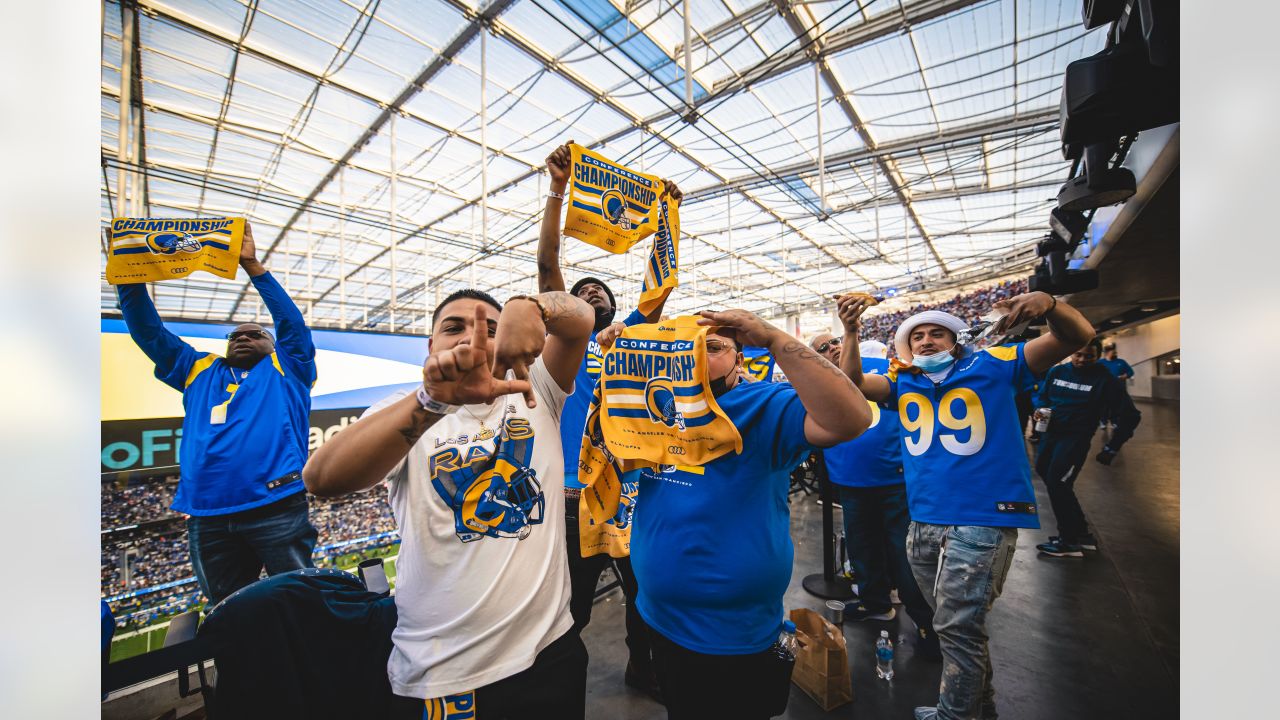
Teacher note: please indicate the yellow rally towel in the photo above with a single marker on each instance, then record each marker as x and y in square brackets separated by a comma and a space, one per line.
[652, 406]
[664, 259]
[154, 249]
[610, 206]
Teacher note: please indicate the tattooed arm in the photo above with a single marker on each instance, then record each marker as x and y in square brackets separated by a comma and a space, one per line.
[559, 333]
[837, 411]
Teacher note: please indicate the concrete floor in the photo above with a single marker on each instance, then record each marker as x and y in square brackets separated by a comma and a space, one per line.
[1095, 638]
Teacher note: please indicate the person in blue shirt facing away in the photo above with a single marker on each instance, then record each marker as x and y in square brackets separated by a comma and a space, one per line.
[1077, 394]
[968, 479]
[1121, 370]
[584, 573]
[867, 473]
[244, 435]
[711, 545]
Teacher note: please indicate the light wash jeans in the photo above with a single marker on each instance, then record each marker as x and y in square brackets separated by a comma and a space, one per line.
[961, 571]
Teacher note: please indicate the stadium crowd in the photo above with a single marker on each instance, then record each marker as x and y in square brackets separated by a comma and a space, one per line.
[969, 307]
[163, 556]
[137, 503]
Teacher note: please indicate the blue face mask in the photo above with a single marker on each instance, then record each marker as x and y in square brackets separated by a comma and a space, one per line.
[935, 362]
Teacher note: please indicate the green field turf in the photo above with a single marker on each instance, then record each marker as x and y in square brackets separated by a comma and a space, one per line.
[126, 647]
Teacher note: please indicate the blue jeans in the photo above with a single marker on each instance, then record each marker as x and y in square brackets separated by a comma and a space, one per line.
[961, 569]
[875, 532]
[230, 551]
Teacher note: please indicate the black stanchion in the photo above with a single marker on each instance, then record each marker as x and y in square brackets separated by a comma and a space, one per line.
[827, 584]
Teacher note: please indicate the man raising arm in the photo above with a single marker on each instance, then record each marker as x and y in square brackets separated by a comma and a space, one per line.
[584, 573]
[245, 427]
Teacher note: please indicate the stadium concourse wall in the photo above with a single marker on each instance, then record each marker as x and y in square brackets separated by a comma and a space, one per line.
[142, 417]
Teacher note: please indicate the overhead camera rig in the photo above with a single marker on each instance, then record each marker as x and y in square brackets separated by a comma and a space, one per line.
[1107, 99]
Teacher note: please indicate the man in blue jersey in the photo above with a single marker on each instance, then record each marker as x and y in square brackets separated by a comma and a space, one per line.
[711, 545]
[244, 435]
[867, 472]
[1121, 370]
[584, 573]
[1078, 394]
[968, 479]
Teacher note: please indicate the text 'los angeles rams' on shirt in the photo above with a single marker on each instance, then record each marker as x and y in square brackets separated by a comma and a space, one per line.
[874, 458]
[962, 447]
[711, 545]
[482, 585]
[574, 417]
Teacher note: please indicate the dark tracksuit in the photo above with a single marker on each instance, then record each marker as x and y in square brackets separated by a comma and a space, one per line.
[1079, 399]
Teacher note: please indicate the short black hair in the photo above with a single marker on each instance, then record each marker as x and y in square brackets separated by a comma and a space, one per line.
[1096, 344]
[465, 293]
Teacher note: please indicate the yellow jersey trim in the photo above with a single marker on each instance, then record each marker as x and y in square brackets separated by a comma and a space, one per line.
[200, 366]
[1003, 352]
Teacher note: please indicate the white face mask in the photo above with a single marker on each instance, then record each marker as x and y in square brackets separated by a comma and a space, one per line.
[935, 362]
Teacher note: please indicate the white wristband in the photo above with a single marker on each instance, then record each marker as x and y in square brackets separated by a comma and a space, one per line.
[554, 194]
[434, 406]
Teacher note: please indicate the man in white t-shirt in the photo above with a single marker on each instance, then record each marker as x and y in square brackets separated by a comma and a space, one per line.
[476, 479]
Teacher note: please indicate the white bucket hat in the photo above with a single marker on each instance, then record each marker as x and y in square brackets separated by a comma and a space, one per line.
[901, 339]
[873, 348]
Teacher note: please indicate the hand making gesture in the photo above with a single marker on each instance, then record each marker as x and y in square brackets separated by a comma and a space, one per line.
[463, 374]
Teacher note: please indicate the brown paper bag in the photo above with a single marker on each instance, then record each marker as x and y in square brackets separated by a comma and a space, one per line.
[822, 661]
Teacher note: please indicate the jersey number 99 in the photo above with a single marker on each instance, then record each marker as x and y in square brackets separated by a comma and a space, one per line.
[918, 415]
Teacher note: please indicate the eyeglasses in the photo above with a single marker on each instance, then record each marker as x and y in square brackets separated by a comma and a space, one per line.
[833, 342]
[251, 334]
[715, 347]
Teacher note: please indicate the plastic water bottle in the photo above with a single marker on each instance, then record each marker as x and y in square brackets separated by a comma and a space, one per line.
[884, 656]
[786, 646]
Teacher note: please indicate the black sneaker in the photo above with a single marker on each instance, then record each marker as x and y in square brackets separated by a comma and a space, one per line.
[860, 612]
[1088, 542]
[1057, 548]
[1106, 456]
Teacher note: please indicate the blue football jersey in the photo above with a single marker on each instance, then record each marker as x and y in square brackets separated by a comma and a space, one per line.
[963, 452]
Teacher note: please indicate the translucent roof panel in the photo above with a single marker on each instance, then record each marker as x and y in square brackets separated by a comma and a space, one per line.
[821, 145]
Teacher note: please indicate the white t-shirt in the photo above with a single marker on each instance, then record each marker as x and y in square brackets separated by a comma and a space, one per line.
[482, 581]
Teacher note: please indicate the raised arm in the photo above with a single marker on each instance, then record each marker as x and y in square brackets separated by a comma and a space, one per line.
[366, 452]
[850, 309]
[559, 165]
[555, 325]
[1068, 329]
[293, 335]
[837, 411]
[173, 357]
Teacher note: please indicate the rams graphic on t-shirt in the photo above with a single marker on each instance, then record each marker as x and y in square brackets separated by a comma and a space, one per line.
[493, 493]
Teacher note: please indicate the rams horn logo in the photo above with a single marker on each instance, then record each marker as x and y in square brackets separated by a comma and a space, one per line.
[498, 496]
[168, 243]
[614, 207]
[660, 400]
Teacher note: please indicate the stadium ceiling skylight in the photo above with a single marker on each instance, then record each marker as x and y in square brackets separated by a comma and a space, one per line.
[350, 133]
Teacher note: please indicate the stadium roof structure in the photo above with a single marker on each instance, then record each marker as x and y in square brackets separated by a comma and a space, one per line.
[823, 146]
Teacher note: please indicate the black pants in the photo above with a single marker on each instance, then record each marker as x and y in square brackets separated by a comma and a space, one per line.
[875, 531]
[698, 686]
[584, 575]
[554, 687]
[1058, 461]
